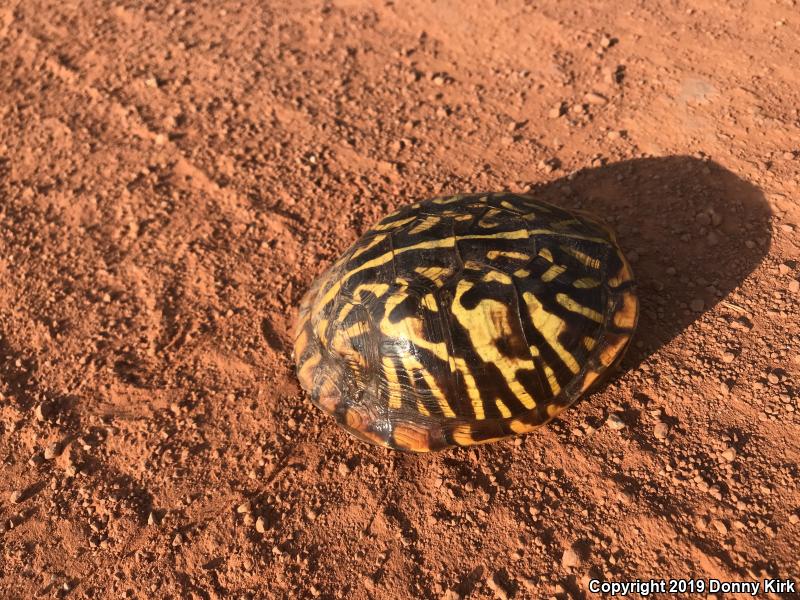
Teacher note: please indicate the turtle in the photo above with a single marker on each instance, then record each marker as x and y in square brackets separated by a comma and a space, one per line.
[465, 319]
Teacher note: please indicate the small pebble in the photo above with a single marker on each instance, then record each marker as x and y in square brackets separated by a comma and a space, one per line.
[43, 411]
[729, 454]
[615, 422]
[260, 528]
[595, 98]
[728, 357]
[558, 110]
[16, 497]
[344, 469]
[720, 526]
[794, 519]
[570, 559]
[244, 507]
[151, 519]
[794, 286]
[52, 451]
[661, 430]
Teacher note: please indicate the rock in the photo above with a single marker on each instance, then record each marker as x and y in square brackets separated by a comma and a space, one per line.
[557, 110]
[570, 559]
[728, 357]
[720, 526]
[244, 507]
[595, 98]
[260, 528]
[794, 519]
[16, 496]
[43, 411]
[729, 454]
[344, 470]
[794, 286]
[661, 430]
[52, 451]
[152, 519]
[615, 422]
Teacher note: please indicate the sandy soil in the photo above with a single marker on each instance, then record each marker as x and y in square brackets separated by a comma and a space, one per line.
[174, 174]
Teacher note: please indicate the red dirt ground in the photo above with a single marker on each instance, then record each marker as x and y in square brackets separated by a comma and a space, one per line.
[174, 174]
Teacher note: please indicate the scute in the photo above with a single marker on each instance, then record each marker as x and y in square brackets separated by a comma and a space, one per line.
[465, 319]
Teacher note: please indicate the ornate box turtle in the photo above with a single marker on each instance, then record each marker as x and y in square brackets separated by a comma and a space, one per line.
[465, 319]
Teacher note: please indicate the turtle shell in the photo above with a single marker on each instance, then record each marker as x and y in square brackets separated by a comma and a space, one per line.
[465, 319]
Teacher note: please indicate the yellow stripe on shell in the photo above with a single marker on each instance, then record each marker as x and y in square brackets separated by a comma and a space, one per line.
[550, 326]
[585, 283]
[518, 426]
[573, 306]
[589, 261]
[488, 322]
[412, 365]
[437, 275]
[393, 224]
[496, 276]
[488, 219]
[501, 406]
[449, 200]
[427, 223]
[565, 224]
[552, 272]
[392, 383]
[508, 206]
[372, 243]
[512, 254]
[462, 435]
[429, 302]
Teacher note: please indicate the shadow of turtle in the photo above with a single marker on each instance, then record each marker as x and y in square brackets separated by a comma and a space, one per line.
[692, 230]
